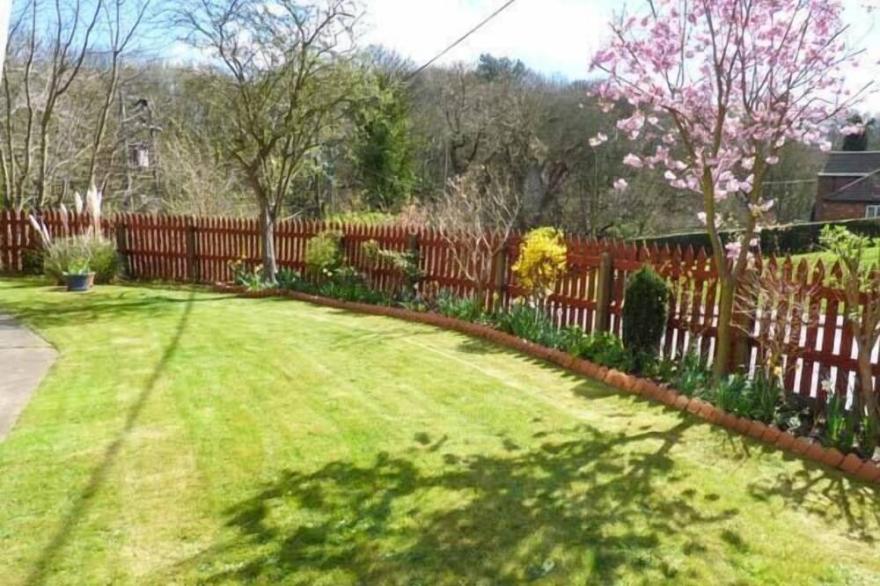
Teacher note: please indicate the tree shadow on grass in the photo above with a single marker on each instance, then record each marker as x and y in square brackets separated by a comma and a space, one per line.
[828, 494]
[83, 501]
[592, 504]
[91, 308]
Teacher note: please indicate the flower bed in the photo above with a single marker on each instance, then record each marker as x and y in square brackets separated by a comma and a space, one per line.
[804, 447]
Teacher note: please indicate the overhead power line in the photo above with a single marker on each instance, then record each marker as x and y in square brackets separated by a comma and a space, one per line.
[461, 39]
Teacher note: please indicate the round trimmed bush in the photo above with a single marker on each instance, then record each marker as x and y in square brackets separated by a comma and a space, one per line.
[644, 312]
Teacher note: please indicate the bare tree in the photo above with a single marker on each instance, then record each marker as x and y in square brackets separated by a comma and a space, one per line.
[46, 65]
[286, 84]
[121, 21]
[774, 309]
[5, 9]
[475, 217]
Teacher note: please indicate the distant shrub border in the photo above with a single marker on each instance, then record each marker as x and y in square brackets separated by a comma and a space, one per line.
[803, 447]
[779, 240]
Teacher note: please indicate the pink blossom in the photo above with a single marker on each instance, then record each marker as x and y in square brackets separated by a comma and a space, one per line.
[633, 161]
[718, 89]
[733, 249]
[620, 185]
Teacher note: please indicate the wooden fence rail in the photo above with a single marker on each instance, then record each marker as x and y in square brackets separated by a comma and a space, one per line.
[200, 249]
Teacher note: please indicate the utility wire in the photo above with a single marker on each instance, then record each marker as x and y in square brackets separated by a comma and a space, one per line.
[461, 39]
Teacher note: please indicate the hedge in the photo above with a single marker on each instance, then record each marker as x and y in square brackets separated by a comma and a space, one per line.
[780, 240]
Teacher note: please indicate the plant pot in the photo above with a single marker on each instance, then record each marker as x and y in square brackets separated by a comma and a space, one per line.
[79, 282]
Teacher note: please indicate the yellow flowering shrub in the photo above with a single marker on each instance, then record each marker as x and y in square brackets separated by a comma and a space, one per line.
[542, 260]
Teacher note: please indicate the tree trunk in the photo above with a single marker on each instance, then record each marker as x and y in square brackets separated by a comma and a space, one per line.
[724, 337]
[267, 233]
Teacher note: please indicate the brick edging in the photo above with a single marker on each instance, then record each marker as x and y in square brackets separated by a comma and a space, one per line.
[805, 448]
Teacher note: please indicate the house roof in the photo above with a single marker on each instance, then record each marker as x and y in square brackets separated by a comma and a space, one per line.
[861, 189]
[851, 163]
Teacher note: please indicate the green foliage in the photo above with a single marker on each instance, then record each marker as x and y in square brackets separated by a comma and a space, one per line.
[839, 428]
[289, 279]
[360, 218]
[32, 261]
[348, 284]
[542, 261]
[644, 312]
[854, 252]
[324, 254]
[869, 435]
[529, 323]
[494, 69]
[606, 349]
[245, 276]
[758, 398]
[728, 393]
[406, 263]
[763, 397]
[786, 239]
[692, 377]
[464, 308]
[81, 254]
[383, 153]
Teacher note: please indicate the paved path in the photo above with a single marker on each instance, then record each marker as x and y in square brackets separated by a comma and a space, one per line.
[24, 360]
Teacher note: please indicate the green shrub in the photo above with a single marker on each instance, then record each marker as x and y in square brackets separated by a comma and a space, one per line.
[289, 279]
[729, 392]
[529, 323]
[644, 313]
[784, 239]
[606, 349]
[692, 378]
[347, 284]
[74, 253]
[324, 254]
[406, 263]
[763, 398]
[542, 261]
[464, 308]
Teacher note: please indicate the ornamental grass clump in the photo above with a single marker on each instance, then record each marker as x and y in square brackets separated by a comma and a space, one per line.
[81, 253]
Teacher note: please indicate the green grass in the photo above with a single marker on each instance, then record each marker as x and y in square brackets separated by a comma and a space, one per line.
[828, 258]
[188, 437]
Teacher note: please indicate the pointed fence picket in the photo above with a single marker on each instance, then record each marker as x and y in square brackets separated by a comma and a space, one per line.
[819, 343]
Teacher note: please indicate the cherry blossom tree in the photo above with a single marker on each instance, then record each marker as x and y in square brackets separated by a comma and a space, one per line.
[720, 86]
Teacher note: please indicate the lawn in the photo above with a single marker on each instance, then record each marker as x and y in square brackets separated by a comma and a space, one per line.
[189, 437]
[828, 259]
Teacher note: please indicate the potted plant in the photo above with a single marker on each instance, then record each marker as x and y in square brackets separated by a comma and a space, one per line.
[78, 277]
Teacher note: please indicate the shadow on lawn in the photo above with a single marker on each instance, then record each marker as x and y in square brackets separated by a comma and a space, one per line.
[827, 494]
[96, 306]
[83, 500]
[598, 501]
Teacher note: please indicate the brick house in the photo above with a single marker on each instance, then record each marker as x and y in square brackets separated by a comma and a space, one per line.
[849, 186]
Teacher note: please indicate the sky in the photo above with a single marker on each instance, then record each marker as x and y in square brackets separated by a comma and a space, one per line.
[555, 37]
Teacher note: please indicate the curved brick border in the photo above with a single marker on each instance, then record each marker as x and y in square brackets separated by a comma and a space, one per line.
[805, 448]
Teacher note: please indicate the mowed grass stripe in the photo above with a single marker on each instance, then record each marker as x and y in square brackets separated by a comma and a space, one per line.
[269, 441]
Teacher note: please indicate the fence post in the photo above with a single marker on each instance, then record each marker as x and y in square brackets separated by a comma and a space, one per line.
[603, 292]
[499, 277]
[192, 267]
[122, 250]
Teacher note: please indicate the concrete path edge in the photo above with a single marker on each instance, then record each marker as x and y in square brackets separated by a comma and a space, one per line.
[25, 358]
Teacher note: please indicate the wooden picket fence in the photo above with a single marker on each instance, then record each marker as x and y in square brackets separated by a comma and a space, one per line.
[819, 346]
